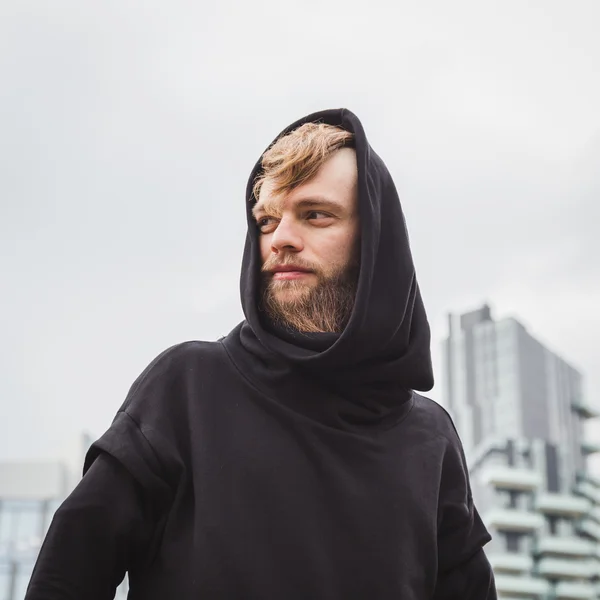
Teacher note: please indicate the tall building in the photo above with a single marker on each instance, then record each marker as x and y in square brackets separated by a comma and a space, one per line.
[30, 494]
[520, 412]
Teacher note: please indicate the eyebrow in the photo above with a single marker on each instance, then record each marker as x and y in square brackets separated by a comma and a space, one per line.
[314, 202]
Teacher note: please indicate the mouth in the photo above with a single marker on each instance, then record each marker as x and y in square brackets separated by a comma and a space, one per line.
[288, 272]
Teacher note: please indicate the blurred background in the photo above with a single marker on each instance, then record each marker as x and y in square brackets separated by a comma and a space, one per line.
[127, 132]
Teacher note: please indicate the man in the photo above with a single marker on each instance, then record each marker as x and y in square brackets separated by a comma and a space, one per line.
[292, 459]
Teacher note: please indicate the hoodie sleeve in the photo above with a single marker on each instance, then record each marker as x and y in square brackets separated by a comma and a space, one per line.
[464, 572]
[111, 523]
[96, 535]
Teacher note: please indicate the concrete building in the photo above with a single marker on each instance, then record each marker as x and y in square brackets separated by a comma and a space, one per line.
[30, 493]
[521, 414]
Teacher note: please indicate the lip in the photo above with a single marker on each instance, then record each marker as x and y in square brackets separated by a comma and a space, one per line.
[289, 269]
[289, 272]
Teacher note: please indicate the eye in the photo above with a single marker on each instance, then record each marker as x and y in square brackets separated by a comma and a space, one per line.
[317, 215]
[266, 224]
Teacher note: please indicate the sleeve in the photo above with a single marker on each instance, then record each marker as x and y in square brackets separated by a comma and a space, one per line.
[96, 535]
[111, 523]
[147, 434]
[464, 572]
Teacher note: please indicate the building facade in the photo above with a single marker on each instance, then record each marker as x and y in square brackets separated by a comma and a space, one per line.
[30, 494]
[520, 412]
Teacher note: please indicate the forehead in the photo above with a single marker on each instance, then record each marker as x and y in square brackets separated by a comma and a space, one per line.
[336, 182]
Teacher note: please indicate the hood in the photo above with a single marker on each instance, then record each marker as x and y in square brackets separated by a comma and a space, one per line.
[386, 343]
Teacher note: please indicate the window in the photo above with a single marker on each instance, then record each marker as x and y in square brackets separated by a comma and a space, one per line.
[5, 581]
[6, 524]
[513, 541]
[21, 525]
[28, 527]
[22, 577]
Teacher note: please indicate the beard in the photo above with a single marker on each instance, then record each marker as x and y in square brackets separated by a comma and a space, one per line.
[324, 307]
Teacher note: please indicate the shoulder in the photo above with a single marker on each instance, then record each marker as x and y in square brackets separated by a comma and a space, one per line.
[433, 419]
[186, 353]
[177, 365]
[435, 423]
[181, 357]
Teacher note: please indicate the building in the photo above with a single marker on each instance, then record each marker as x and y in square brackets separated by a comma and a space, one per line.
[520, 412]
[30, 493]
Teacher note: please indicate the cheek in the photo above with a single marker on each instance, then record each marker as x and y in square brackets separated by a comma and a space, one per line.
[348, 242]
[265, 247]
[339, 251]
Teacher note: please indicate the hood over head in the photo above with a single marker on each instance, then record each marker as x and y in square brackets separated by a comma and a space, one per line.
[384, 349]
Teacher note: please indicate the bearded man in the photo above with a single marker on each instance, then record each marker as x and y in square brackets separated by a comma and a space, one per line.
[292, 459]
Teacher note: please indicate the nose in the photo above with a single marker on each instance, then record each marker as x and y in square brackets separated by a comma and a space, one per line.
[286, 238]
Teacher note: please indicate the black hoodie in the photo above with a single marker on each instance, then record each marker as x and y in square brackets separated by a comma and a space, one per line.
[271, 465]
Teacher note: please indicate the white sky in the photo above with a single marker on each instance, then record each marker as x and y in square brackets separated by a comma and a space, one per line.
[128, 129]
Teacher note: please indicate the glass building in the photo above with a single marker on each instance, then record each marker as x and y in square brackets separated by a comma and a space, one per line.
[520, 412]
[30, 493]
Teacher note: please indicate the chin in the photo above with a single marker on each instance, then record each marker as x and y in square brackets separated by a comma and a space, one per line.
[290, 291]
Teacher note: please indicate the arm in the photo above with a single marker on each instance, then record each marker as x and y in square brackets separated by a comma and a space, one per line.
[94, 538]
[469, 580]
[464, 572]
[111, 522]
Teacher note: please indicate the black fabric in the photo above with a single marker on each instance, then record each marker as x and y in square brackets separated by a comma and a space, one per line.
[98, 533]
[385, 348]
[271, 465]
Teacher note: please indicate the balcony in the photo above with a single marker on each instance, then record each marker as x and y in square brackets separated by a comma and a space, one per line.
[562, 505]
[585, 476]
[589, 448]
[565, 546]
[584, 410]
[511, 563]
[586, 489]
[590, 528]
[509, 478]
[510, 519]
[595, 514]
[555, 568]
[526, 586]
[567, 590]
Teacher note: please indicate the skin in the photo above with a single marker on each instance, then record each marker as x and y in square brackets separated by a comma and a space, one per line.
[314, 226]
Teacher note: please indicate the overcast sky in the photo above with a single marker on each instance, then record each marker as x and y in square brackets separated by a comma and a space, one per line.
[128, 129]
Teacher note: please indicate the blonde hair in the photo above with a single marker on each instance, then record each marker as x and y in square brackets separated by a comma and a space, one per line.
[297, 156]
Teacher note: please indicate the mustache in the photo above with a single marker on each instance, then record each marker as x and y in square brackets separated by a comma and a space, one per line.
[273, 262]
